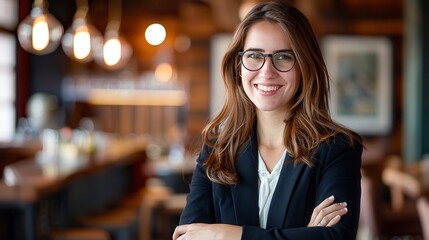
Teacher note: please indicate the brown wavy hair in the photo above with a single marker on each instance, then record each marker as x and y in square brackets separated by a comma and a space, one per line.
[309, 122]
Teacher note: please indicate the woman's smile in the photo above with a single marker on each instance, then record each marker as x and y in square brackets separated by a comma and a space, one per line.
[267, 89]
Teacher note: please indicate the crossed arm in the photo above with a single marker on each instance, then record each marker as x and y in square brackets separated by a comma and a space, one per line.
[341, 166]
[326, 214]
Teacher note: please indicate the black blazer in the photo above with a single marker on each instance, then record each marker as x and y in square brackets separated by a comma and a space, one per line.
[299, 190]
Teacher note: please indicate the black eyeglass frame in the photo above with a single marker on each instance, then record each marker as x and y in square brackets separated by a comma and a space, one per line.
[265, 55]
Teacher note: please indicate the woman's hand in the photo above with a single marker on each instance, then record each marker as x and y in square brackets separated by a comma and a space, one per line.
[200, 231]
[327, 213]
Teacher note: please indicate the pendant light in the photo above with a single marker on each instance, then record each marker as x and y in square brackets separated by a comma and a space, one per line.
[40, 32]
[81, 38]
[115, 52]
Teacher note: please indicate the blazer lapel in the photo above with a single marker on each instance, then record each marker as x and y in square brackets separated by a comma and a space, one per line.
[288, 180]
[245, 193]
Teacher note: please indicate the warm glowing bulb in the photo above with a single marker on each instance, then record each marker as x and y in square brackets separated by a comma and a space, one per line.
[112, 51]
[40, 31]
[164, 72]
[82, 43]
[155, 34]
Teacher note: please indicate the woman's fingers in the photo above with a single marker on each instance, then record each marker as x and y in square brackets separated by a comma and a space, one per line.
[335, 215]
[325, 203]
[328, 213]
[334, 221]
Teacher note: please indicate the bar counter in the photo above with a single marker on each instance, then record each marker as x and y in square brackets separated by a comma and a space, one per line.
[34, 199]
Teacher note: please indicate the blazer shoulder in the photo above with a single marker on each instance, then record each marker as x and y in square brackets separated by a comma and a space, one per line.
[340, 155]
[340, 143]
[342, 140]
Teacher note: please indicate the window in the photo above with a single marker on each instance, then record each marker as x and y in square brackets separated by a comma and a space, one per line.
[7, 86]
[8, 13]
[8, 21]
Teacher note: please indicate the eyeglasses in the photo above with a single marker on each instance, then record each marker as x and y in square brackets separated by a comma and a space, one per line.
[253, 60]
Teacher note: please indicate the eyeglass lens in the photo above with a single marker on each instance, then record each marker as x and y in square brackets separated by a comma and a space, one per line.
[253, 61]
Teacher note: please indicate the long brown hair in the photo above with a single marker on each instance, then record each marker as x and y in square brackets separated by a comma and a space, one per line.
[309, 122]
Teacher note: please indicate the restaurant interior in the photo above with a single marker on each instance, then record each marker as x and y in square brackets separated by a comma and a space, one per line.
[102, 104]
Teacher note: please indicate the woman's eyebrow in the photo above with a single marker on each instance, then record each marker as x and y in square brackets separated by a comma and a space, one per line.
[262, 50]
[255, 49]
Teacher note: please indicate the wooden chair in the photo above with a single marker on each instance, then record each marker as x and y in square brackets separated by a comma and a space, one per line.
[423, 209]
[401, 184]
[121, 223]
[152, 197]
[369, 219]
[169, 213]
[379, 216]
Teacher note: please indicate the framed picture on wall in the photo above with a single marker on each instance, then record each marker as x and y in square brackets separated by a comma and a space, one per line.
[360, 69]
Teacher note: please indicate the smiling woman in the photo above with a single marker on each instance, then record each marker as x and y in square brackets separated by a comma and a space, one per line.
[274, 165]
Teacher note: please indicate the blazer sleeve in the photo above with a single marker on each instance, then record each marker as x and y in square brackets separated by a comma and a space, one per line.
[199, 203]
[338, 173]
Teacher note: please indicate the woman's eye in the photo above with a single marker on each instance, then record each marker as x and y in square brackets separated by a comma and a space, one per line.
[254, 56]
[283, 57]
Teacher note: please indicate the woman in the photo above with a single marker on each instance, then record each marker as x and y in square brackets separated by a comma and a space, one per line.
[274, 164]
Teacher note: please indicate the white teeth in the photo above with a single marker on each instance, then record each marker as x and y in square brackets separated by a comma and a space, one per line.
[268, 88]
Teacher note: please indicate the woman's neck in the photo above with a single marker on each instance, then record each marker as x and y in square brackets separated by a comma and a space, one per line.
[270, 128]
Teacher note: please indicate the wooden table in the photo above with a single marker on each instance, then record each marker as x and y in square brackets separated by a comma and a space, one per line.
[46, 200]
[11, 152]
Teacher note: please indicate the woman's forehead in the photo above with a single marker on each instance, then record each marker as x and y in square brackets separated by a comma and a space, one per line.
[266, 36]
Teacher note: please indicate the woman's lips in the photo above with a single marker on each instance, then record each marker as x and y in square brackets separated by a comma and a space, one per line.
[267, 88]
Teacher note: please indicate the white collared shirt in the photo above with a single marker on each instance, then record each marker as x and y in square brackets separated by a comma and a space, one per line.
[267, 185]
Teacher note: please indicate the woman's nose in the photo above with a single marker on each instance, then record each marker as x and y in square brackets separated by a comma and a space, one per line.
[268, 70]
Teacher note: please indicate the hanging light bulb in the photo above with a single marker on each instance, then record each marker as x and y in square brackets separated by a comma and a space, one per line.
[81, 42]
[112, 51]
[81, 38]
[116, 51]
[40, 32]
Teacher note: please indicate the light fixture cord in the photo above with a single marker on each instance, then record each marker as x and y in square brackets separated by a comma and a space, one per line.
[115, 10]
[82, 9]
[40, 4]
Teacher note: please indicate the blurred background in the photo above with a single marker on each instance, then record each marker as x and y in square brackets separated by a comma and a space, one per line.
[102, 103]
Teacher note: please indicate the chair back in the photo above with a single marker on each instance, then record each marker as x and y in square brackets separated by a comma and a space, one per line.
[423, 209]
[368, 216]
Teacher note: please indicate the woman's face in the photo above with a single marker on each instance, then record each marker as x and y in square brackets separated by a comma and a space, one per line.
[268, 88]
